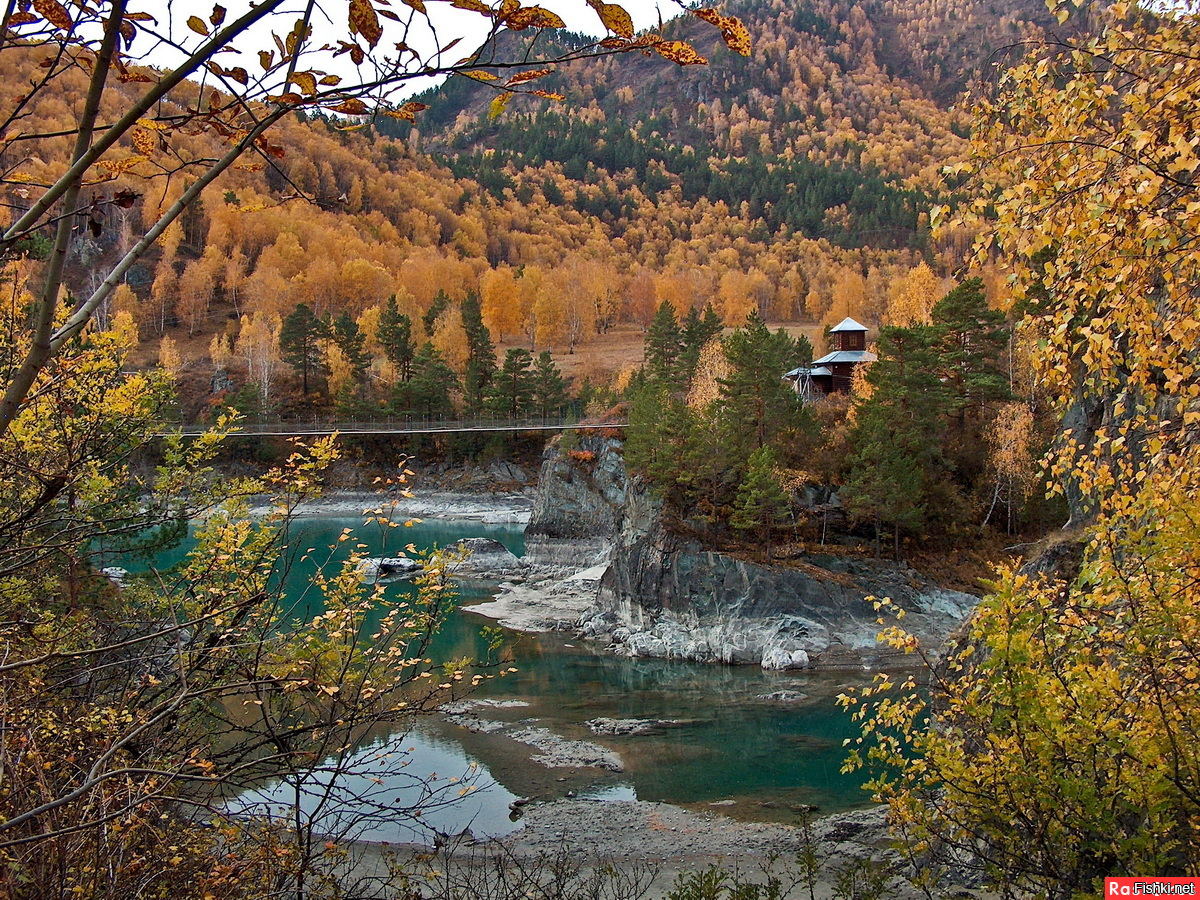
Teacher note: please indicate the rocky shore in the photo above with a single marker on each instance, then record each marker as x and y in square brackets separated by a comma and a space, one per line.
[601, 562]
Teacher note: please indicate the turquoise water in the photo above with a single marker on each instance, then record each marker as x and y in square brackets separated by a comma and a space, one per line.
[758, 759]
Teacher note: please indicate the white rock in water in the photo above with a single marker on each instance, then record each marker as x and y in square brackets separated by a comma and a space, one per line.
[779, 658]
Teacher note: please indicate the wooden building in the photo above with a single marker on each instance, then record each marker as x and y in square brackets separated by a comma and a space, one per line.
[834, 372]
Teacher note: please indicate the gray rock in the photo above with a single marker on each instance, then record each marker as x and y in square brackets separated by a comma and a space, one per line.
[608, 726]
[387, 568]
[486, 557]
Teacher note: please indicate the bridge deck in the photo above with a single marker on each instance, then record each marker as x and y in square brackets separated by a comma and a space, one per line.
[396, 427]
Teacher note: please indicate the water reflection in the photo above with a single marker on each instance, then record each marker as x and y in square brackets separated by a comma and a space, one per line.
[404, 788]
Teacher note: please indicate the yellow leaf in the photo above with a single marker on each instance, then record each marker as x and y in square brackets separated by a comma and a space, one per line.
[351, 106]
[306, 81]
[364, 21]
[145, 141]
[54, 13]
[522, 77]
[499, 105]
[680, 52]
[197, 25]
[614, 17]
[533, 17]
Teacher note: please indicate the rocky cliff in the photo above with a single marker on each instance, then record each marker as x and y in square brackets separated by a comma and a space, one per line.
[665, 596]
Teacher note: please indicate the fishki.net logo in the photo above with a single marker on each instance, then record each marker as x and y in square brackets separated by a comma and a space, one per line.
[1150, 887]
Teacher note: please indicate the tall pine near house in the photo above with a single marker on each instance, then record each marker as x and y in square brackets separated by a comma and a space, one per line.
[761, 504]
[971, 340]
[758, 406]
[897, 474]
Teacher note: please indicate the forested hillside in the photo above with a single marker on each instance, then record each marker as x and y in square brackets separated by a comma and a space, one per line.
[793, 182]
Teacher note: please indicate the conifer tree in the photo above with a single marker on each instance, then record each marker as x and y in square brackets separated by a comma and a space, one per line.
[300, 342]
[761, 502]
[897, 473]
[697, 331]
[757, 405]
[550, 395]
[395, 336]
[441, 300]
[512, 389]
[428, 394]
[481, 354]
[971, 339]
[353, 343]
[663, 347]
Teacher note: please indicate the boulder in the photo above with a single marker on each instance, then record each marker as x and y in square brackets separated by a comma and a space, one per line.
[387, 568]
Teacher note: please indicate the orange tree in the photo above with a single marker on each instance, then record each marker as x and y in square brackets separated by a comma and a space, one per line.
[1059, 744]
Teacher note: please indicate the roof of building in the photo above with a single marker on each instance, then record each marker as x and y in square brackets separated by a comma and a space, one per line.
[801, 371]
[845, 356]
[847, 324]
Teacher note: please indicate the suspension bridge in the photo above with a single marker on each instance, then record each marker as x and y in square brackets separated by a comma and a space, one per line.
[393, 427]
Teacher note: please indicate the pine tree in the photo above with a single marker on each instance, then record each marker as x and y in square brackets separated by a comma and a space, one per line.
[971, 340]
[441, 300]
[757, 405]
[695, 333]
[353, 343]
[481, 355]
[664, 343]
[550, 395]
[761, 502]
[511, 391]
[300, 343]
[395, 336]
[898, 476]
[428, 394]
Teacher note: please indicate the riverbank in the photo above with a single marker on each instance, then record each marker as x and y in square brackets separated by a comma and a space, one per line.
[511, 508]
[642, 850]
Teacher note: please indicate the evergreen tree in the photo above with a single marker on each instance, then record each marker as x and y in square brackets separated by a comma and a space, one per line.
[550, 395]
[441, 300]
[353, 343]
[395, 336]
[696, 331]
[511, 391]
[659, 444]
[664, 343]
[428, 394]
[898, 476]
[300, 343]
[971, 340]
[481, 355]
[761, 502]
[758, 406]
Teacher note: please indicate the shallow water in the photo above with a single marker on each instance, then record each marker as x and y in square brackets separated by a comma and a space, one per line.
[725, 745]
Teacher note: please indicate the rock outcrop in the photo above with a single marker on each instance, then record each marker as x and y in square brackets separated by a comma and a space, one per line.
[581, 502]
[665, 596]
[486, 558]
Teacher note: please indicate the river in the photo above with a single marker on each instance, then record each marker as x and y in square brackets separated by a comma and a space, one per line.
[723, 745]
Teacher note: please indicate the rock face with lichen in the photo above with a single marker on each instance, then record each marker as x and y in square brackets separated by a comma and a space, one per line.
[666, 596]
